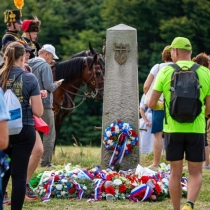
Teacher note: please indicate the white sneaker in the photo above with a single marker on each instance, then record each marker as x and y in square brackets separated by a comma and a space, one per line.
[207, 167]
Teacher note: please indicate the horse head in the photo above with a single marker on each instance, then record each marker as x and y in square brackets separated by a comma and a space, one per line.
[93, 75]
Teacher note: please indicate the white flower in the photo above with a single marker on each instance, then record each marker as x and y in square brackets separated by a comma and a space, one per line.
[117, 130]
[123, 179]
[126, 126]
[42, 191]
[128, 142]
[63, 180]
[63, 193]
[58, 186]
[84, 187]
[110, 142]
[184, 189]
[108, 133]
[103, 194]
[117, 182]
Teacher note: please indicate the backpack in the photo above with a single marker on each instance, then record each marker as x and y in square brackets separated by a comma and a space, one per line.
[185, 105]
[15, 123]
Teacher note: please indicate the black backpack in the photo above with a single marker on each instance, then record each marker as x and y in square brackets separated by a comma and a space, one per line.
[185, 105]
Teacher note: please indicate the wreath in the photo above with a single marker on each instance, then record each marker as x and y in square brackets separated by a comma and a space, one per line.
[119, 139]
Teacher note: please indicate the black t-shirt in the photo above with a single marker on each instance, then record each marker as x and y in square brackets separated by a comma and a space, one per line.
[24, 87]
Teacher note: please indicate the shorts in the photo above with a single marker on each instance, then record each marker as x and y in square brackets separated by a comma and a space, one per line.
[157, 121]
[190, 144]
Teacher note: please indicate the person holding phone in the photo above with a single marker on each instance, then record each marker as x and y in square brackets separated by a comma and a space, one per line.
[41, 69]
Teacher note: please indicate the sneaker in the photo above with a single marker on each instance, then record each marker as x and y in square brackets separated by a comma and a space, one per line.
[187, 207]
[50, 165]
[30, 195]
[207, 167]
[6, 200]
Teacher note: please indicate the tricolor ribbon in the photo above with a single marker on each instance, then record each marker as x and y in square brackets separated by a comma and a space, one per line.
[49, 188]
[139, 189]
[86, 173]
[78, 187]
[121, 154]
[98, 189]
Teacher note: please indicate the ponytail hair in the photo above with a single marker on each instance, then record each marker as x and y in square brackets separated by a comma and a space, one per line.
[12, 53]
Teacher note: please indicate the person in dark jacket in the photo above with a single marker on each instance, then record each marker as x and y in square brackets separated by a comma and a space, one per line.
[31, 29]
[14, 23]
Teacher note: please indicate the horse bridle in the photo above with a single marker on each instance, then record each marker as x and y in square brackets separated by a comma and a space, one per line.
[87, 94]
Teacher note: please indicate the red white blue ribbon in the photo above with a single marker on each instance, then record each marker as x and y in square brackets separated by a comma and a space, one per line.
[138, 190]
[86, 173]
[98, 189]
[78, 187]
[49, 188]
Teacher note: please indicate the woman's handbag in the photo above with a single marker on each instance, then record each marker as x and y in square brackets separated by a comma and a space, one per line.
[41, 126]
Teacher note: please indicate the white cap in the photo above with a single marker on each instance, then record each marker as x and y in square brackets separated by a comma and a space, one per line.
[51, 49]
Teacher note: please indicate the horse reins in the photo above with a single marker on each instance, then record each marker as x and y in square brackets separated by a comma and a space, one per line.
[87, 94]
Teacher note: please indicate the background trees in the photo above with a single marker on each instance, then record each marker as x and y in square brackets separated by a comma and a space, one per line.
[70, 24]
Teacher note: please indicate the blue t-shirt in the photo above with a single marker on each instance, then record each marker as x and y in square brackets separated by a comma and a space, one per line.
[25, 86]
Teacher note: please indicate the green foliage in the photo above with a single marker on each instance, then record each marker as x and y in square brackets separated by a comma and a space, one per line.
[71, 24]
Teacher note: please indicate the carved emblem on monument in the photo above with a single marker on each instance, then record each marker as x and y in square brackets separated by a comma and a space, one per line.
[121, 52]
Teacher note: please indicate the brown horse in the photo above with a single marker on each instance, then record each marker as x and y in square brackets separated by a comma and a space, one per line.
[75, 71]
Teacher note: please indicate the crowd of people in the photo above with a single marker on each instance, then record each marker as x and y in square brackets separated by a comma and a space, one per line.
[26, 70]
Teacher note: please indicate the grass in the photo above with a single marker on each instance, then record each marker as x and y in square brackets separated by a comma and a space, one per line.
[89, 157]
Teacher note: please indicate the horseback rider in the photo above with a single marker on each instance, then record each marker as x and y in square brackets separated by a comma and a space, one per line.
[13, 20]
[31, 29]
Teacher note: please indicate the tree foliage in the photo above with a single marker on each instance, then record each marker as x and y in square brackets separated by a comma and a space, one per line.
[70, 24]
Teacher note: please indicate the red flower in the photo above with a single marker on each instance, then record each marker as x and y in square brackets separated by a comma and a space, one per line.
[134, 134]
[110, 190]
[122, 188]
[111, 138]
[144, 179]
[129, 146]
[157, 188]
[113, 129]
[56, 178]
[72, 190]
[109, 177]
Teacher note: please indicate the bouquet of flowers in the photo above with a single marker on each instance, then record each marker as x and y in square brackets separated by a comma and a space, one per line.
[120, 139]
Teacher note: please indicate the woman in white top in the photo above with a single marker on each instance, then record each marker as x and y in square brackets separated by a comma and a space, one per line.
[157, 115]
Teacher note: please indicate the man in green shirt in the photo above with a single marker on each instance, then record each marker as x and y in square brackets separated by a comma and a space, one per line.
[183, 138]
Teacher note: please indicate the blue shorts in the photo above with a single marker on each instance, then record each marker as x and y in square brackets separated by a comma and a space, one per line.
[157, 121]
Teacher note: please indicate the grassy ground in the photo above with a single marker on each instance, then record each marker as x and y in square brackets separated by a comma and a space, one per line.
[88, 157]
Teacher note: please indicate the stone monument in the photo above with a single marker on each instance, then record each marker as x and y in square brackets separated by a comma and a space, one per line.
[121, 91]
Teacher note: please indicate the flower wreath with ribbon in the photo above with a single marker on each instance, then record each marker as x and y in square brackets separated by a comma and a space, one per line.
[120, 139]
